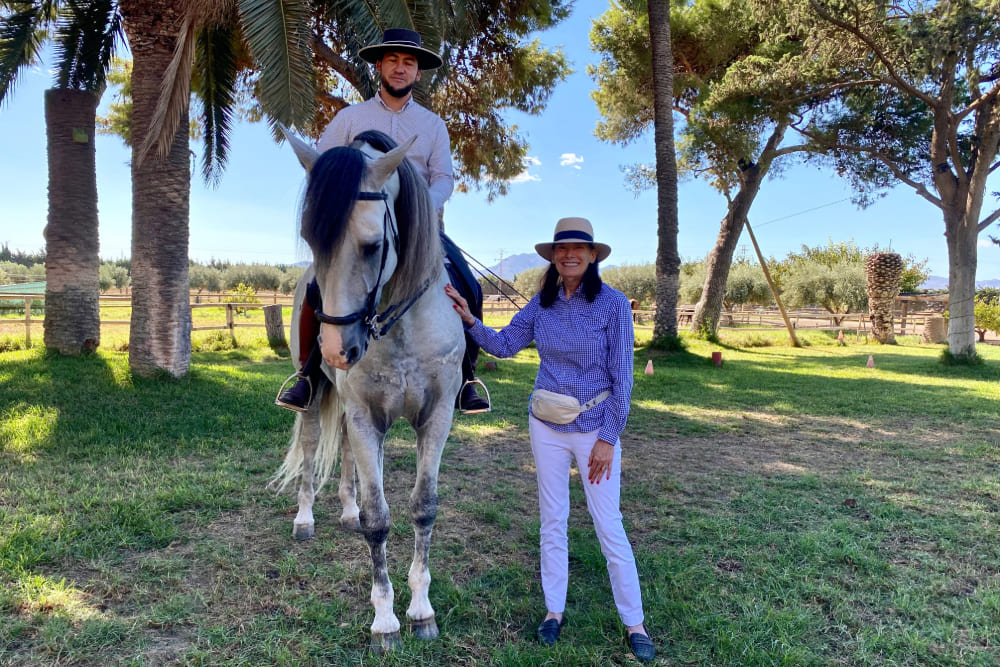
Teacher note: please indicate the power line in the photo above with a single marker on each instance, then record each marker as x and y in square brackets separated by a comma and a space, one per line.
[758, 225]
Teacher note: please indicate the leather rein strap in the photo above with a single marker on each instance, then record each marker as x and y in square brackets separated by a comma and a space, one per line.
[372, 320]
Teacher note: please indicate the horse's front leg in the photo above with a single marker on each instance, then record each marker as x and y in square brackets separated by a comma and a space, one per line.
[374, 518]
[304, 526]
[431, 437]
[348, 490]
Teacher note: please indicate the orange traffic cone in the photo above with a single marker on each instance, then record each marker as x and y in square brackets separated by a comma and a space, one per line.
[649, 367]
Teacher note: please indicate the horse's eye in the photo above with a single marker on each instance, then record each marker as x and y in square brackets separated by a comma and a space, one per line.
[369, 249]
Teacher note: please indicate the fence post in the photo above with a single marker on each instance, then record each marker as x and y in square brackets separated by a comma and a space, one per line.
[27, 321]
[230, 321]
[275, 327]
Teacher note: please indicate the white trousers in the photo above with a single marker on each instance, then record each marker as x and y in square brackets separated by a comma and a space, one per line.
[554, 453]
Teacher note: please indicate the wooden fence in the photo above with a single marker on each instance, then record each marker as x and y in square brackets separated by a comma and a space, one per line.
[273, 318]
[756, 319]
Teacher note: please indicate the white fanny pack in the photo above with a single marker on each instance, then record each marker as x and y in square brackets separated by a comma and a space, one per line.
[560, 408]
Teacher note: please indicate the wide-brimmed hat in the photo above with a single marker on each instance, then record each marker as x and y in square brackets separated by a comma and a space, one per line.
[404, 41]
[573, 230]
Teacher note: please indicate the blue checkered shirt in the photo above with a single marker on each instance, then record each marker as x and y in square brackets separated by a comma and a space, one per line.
[584, 349]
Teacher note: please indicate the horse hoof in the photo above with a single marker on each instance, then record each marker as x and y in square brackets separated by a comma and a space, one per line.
[382, 642]
[303, 531]
[425, 628]
[351, 525]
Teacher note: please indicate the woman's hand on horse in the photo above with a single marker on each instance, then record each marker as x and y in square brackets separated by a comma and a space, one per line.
[461, 305]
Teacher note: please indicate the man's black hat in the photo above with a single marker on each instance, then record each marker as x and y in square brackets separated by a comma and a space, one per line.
[403, 41]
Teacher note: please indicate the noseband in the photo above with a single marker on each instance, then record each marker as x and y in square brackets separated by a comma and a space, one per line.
[370, 319]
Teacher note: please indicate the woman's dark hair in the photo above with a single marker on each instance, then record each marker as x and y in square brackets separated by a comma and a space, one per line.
[549, 289]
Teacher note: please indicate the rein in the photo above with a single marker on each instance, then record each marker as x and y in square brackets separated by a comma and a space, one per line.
[377, 324]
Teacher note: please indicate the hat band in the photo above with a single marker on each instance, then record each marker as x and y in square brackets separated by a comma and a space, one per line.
[572, 234]
[401, 43]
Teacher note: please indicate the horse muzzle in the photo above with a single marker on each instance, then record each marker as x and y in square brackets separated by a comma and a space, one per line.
[342, 347]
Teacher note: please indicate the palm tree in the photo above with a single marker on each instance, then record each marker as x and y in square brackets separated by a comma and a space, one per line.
[84, 35]
[167, 39]
[667, 259]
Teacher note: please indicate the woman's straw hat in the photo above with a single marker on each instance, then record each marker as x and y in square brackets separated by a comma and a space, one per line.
[573, 230]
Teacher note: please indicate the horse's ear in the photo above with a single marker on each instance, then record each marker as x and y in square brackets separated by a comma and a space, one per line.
[305, 152]
[382, 168]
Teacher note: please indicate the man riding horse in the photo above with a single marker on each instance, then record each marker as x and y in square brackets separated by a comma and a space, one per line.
[399, 61]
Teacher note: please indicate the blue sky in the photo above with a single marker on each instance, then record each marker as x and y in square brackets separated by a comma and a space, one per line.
[251, 216]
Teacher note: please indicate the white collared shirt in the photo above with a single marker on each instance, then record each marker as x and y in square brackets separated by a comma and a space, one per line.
[430, 153]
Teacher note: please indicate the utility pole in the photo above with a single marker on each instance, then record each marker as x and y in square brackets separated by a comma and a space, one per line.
[770, 283]
[502, 279]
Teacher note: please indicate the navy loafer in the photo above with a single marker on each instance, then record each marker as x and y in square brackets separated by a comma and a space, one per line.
[642, 646]
[548, 631]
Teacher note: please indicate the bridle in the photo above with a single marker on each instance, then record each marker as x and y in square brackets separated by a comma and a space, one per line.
[377, 324]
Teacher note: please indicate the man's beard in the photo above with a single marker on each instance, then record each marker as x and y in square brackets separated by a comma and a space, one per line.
[398, 93]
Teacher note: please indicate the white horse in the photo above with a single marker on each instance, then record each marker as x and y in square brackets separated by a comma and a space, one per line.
[392, 347]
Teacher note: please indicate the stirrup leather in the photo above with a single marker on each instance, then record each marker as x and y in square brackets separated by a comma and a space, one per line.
[474, 380]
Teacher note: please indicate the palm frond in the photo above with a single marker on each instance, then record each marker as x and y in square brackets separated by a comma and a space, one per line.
[22, 33]
[216, 64]
[175, 95]
[86, 36]
[278, 34]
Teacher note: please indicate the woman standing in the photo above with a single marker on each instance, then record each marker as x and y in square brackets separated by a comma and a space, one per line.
[583, 331]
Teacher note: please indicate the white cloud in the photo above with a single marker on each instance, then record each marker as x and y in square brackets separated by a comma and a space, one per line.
[986, 242]
[524, 176]
[570, 160]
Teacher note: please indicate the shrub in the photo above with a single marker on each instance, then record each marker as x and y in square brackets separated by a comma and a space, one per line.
[242, 293]
[214, 341]
[838, 288]
[987, 314]
[12, 343]
[636, 281]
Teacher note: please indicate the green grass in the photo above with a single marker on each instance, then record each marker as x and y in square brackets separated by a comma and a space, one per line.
[791, 507]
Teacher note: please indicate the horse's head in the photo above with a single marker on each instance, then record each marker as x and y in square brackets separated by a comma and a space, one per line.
[348, 220]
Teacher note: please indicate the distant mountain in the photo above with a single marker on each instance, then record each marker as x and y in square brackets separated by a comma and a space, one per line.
[937, 282]
[513, 265]
[934, 283]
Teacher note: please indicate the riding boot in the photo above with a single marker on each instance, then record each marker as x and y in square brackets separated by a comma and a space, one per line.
[468, 401]
[310, 375]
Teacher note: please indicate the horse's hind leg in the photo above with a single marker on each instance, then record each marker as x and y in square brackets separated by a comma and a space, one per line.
[304, 526]
[423, 509]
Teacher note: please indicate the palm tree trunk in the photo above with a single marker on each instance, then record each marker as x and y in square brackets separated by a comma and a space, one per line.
[160, 335]
[668, 261]
[72, 260]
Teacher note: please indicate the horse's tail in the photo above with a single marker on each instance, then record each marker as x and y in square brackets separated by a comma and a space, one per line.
[327, 449]
[331, 431]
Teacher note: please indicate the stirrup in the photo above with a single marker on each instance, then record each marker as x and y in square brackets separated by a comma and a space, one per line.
[288, 406]
[489, 407]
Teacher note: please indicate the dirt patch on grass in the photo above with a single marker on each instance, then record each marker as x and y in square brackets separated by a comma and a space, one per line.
[244, 565]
